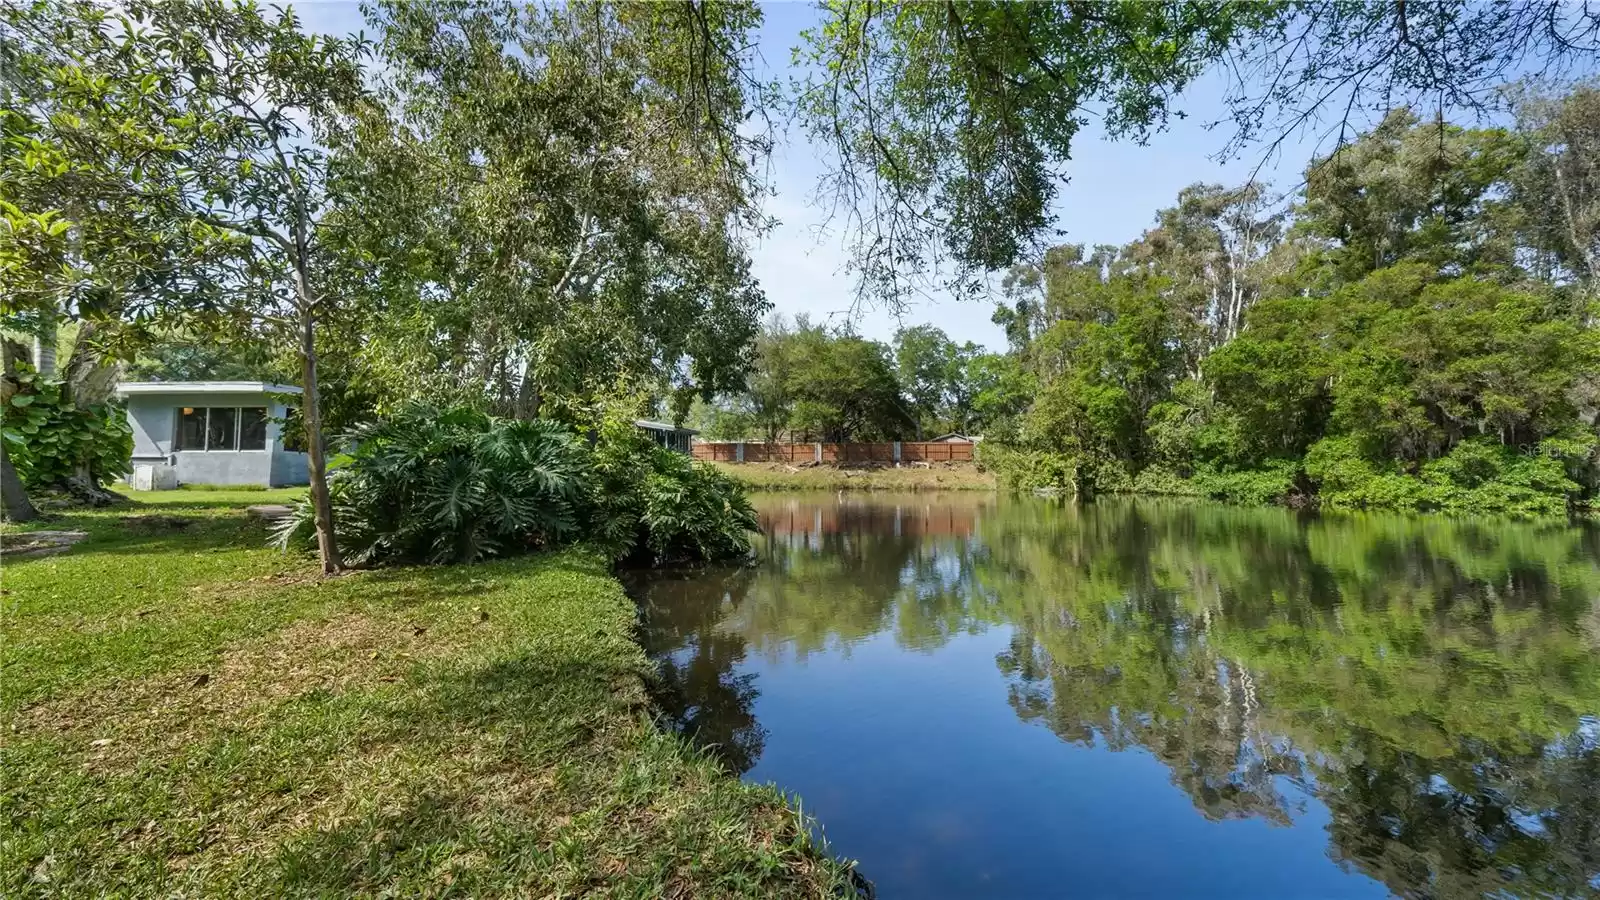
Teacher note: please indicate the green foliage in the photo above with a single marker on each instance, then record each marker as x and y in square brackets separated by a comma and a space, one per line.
[1191, 427]
[579, 226]
[1477, 477]
[811, 382]
[1273, 481]
[959, 114]
[650, 504]
[50, 439]
[948, 124]
[455, 485]
[1412, 340]
[829, 385]
[693, 511]
[941, 379]
[1001, 389]
[458, 485]
[1158, 480]
[188, 356]
[1030, 470]
[1407, 190]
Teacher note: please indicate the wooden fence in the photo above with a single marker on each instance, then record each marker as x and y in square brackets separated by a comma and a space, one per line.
[887, 452]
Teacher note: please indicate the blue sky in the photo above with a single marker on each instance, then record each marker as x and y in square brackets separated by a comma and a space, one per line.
[1110, 196]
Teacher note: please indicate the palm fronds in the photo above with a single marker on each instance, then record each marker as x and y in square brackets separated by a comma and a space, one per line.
[456, 485]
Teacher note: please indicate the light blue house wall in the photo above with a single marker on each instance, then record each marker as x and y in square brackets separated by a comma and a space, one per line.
[153, 414]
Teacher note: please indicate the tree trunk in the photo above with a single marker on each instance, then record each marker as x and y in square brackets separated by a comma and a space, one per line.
[14, 501]
[530, 399]
[85, 487]
[311, 411]
[13, 496]
[44, 349]
[90, 375]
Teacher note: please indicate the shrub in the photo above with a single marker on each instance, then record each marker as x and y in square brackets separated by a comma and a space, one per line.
[49, 437]
[1483, 477]
[1108, 476]
[1346, 478]
[458, 486]
[1161, 480]
[1478, 476]
[1030, 470]
[451, 486]
[650, 504]
[1273, 481]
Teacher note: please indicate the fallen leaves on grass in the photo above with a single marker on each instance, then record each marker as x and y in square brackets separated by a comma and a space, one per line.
[165, 710]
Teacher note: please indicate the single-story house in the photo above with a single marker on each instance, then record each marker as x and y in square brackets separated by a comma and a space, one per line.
[211, 432]
[954, 437]
[668, 435]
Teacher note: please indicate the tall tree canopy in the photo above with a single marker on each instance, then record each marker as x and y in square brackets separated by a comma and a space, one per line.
[198, 123]
[948, 125]
[587, 197]
[1415, 332]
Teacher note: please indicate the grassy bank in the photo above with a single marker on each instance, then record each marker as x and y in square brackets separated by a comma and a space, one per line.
[938, 477]
[188, 712]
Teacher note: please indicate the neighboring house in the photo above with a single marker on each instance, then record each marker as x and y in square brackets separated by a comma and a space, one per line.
[954, 437]
[210, 432]
[668, 435]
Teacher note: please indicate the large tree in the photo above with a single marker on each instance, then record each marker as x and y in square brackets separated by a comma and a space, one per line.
[83, 237]
[589, 187]
[238, 114]
[1414, 331]
[1213, 247]
[1558, 183]
[844, 388]
[933, 373]
[947, 125]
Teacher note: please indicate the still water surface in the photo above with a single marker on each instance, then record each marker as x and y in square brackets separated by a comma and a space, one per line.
[993, 697]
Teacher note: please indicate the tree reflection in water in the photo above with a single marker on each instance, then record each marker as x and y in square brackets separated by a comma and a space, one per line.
[1434, 683]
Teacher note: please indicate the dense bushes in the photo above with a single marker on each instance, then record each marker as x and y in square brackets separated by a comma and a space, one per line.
[52, 441]
[1478, 476]
[457, 486]
[1406, 334]
[653, 505]
[452, 486]
[1030, 469]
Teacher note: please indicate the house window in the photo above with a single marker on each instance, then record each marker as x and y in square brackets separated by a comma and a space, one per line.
[222, 428]
[253, 428]
[191, 428]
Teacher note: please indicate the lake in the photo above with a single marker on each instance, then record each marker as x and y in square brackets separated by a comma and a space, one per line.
[988, 696]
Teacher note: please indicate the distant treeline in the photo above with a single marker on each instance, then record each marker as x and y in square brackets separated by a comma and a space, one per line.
[1413, 329]
[812, 382]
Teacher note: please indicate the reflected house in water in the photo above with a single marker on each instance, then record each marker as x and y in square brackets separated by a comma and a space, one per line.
[1348, 705]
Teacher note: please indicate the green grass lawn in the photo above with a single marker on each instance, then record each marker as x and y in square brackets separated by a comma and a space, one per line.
[187, 712]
